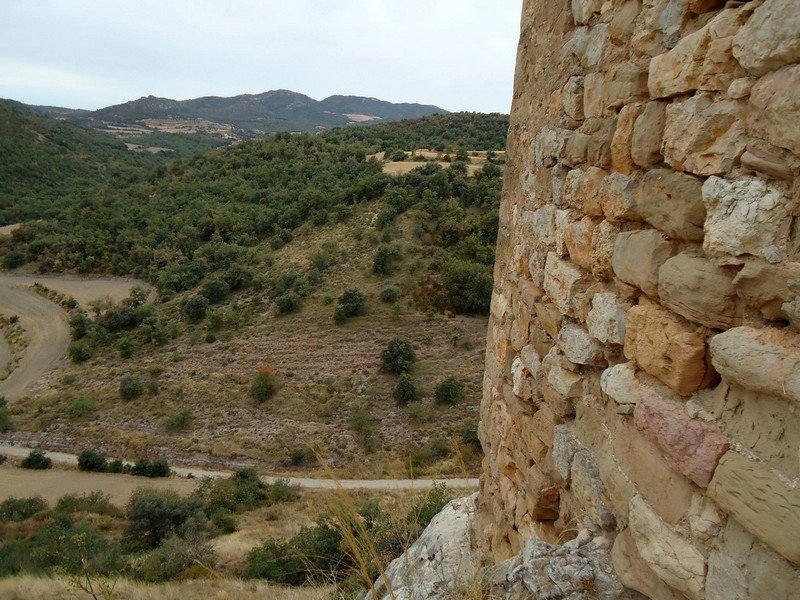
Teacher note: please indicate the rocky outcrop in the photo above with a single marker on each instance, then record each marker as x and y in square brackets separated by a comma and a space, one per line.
[648, 391]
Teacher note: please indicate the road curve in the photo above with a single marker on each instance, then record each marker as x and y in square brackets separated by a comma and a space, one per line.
[303, 482]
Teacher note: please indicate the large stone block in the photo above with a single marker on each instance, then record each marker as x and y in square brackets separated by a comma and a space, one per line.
[572, 98]
[635, 573]
[562, 281]
[582, 10]
[648, 134]
[762, 503]
[668, 348]
[562, 379]
[701, 61]
[762, 360]
[746, 216]
[692, 447]
[605, 93]
[617, 200]
[766, 287]
[606, 320]
[620, 384]
[565, 445]
[579, 347]
[775, 108]
[672, 202]
[770, 39]
[604, 239]
[702, 136]
[699, 290]
[658, 27]
[638, 255]
[589, 489]
[578, 240]
[621, 159]
[671, 556]
[581, 190]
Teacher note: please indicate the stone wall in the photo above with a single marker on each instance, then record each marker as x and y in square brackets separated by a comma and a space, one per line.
[643, 362]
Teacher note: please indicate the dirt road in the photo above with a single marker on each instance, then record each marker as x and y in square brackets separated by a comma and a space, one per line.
[53, 484]
[45, 324]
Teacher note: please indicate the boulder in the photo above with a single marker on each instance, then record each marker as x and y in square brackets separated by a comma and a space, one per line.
[616, 198]
[606, 92]
[774, 109]
[578, 240]
[672, 202]
[621, 159]
[648, 134]
[579, 347]
[770, 39]
[604, 239]
[606, 320]
[572, 98]
[766, 287]
[638, 255]
[620, 384]
[562, 281]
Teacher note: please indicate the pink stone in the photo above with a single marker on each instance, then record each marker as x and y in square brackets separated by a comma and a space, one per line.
[692, 447]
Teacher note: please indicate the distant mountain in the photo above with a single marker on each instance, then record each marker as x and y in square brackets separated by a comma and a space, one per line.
[243, 116]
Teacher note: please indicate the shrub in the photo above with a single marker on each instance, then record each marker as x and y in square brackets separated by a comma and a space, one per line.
[361, 422]
[434, 501]
[126, 346]
[398, 356]
[145, 468]
[130, 388]
[20, 509]
[242, 491]
[13, 259]
[287, 303]
[118, 466]
[80, 407]
[282, 491]
[469, 437]
[91, 460]
[384, 256]
[468, 287]
[263, 386]
[174, 559]
[80, 351]
[179, 420]
[36, 460]
[449, 391]
[193, 309]
[94, 502]
[276, 561]
[389, 294]
[155, 514]
[215, 290]
[5, 416]
[406, 391]
[351, 303]
[297, 457]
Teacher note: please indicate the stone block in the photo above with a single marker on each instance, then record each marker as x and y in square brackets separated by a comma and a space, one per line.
[770, 160]
[596, 47]
[562, 281]
[581, 190]
[762, 503]
[766, 287]
[606, 320]
[672, 202]
[621, 26]
[746, 216]
[648, 134]
[770, 39]
[583, 10]
[579, 347]
[565, 445]
[692, 447]
[621, 159]
[699, 290]
[578, 240]
[700, 61]
[659, 26]
[550, 317]
[589, 489]
[598, 148]
[635, 573]
[740, 88]
[563, 380]
[620, 383]
[572, 98]
[604, 239]
[605, 93]
[672, 557]
[762, 360]
[702, 136]
[638, 255]
[617, 198]
[774, 109]
[562, 222]
[669, 349]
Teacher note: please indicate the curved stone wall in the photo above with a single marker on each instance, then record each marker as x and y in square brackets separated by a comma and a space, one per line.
[643, 360]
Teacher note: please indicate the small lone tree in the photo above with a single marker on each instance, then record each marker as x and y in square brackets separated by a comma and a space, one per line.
[449, 391]
[263, 386]
[351, 304]
[398, 356]
[36, 460]
[406, 390]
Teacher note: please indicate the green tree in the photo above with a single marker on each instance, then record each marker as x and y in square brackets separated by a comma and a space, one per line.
[130, 388]
[449, 391]
[398, 356]
[406, 390]
[263, 386]
[194, 308]
[351, 303]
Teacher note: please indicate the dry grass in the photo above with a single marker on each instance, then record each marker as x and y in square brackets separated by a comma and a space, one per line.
[42, 588]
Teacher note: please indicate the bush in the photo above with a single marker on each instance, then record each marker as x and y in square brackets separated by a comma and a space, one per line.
[126, 346]
[145, 468]
[449, 391]
[20, 509]
[384, 256]
[91, 460]
[174, 559]
[263, 386]
[287, 303]
[389, 294]
[80, 407]
[469, 437]
[80, 351]
[13, 259]
[242, 491]
[193, 309]
[423, 512]
[178, 420]
[155, 514]
[130, 388]
[406, 391]
[5, 417]
[216, 290]
[468, 287]
[36, 460]
[351, 304]
[398, 356]
[94, 502]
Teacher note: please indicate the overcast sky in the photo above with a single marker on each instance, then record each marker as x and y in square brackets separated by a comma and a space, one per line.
[457, 54]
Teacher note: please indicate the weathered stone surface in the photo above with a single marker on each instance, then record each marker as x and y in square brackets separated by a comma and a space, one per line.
[704, 518]
[667, 348]
[766, 287]
[597, 46]
[549, 146]
[565, 445]
[578, 346]
[693, 447]
[774, 108]
[770, 160]
[621, 26]
[699, 290]
[648, 134]
[740, 88]
[578, 240]
[762, 360]
[549, 317]
[606, 320]
[672, 202]
[770, 39]
[635, 573]
[638, 255]
[761, 502]
[605, 93]
[671, 557]
[659, 26]
[725, 580]
[589, 489]
[572, 98]
[440, 559]
[701, 61]
[562, 281]
[581, 190]
[598, 147]
[559, 377]
[702, 136]
[747, 216]
[604, 239]
[621, 159]
[582, 10]
[702, 6]
[616, 198]
[620, 383]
